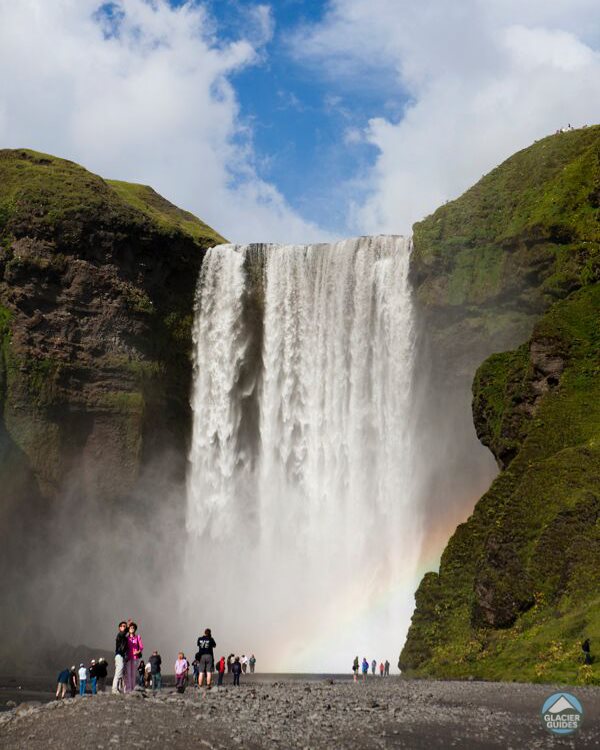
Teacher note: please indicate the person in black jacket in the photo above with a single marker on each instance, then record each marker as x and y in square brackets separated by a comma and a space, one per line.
[206, 657]
[587, 652]
[155, 662]
[236, 668]
[101, 673]
[120, 656]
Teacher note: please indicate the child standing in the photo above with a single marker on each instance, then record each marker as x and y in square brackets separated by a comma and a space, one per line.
[220, 670]
[236, 668]
[181, 670]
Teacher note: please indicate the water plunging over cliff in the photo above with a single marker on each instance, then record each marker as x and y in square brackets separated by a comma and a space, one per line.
[303, 530]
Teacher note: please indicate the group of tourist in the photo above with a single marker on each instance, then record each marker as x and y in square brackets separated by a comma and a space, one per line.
[132, 670]
[384, 668]
[76, 680]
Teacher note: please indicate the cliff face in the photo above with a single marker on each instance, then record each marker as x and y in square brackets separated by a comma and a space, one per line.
[486, 266]
[518, 585]
[97, 283]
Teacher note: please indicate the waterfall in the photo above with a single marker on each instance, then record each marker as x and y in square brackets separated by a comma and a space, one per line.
[302, 502]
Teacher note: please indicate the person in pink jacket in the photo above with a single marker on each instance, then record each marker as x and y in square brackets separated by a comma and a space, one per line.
[135, 646]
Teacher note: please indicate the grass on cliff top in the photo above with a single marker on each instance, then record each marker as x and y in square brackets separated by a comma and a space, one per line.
[163, 212]
[546, 188]
[43, 192]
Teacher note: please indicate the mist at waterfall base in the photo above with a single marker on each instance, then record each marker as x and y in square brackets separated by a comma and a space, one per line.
[326, 473]
[307, 472]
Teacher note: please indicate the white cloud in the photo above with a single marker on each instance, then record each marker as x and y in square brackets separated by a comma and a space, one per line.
[143, 96]
[483, 80]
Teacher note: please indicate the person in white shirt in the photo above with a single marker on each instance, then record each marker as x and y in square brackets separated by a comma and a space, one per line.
[82, 679]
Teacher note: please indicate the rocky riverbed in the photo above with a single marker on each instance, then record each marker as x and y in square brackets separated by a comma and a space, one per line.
[381, 713]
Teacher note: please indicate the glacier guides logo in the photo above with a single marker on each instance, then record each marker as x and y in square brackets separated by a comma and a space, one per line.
[562, 713]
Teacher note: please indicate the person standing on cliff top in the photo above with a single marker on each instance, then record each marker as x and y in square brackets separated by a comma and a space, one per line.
[355, 668]
[206, 658]
[386, 669]
[373, 666]
[365, 668]
[587, 653]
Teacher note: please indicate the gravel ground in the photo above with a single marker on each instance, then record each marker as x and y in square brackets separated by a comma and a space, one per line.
[382, 713]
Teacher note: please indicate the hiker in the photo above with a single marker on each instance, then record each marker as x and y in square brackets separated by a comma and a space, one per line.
[386, 670]
[206, 658]
[82, 679]
[244, 663]
[73, 681]
[93, 676]
[135, 647]
[101, 673]
[236, 668]
[252, 663]
[587, 654]
[120, 656]
[220, 671]
[196, 670]
[155, 661]
[373, 666]
[61, 684]
[365, 668]
[181, 670]
[230, 659]
[355, 668]
[381, 669]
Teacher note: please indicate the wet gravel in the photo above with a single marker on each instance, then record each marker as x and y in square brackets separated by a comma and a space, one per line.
[381, 713]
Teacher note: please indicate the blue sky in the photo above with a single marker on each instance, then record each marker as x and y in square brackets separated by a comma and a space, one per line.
[298, 117]
[296, 120]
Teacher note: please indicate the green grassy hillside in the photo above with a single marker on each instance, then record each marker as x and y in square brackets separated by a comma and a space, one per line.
[518, 587]
[97, 284]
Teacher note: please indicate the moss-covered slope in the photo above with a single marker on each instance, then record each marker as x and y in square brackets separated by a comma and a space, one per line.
[519, 582]
[488, 264]
[518, 587]
[97, 284]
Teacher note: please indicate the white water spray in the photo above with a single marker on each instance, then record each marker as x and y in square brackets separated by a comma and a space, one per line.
[302, 503]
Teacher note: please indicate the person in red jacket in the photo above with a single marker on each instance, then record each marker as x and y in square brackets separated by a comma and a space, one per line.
[220, 670]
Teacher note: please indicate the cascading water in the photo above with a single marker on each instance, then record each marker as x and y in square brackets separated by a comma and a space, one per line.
[302, 501]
